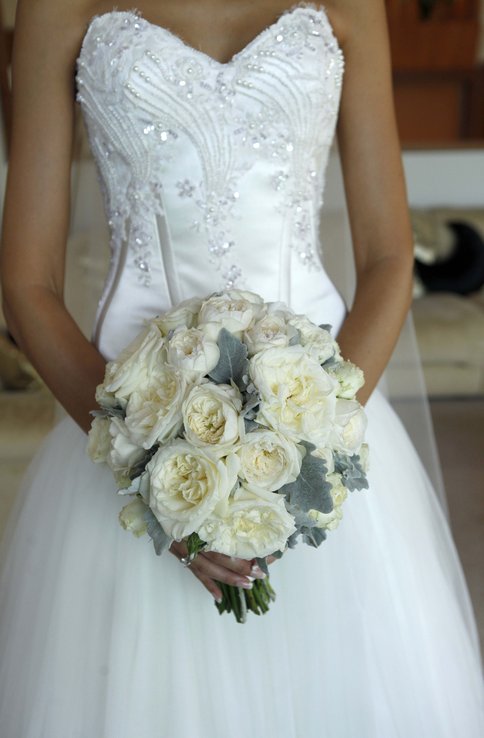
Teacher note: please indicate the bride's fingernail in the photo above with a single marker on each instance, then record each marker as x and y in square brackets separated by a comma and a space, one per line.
[245, 584]
[257, 572]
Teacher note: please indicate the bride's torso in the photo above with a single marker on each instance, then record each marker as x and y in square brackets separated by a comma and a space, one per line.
[212, 173]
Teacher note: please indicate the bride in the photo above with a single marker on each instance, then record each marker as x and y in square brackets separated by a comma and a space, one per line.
[211, 123]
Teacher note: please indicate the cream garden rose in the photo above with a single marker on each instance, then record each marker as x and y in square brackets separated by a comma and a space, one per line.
[350, 378]
[327, 521]
[234, 310]
[271, 330]
[269, 460]
[364, 454]
[192, 351]
[123, 454]
[211, 416]
[135, 365]
[318, 342]
[154, 409]
[186, 485]
[132, 517]
[326, 455]
[339, 493]
[99, 440]
[252, 523]
[298, 398]
[183, 316]
[349, 426]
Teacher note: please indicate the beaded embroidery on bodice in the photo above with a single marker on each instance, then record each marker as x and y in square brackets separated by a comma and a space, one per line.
[212, 173]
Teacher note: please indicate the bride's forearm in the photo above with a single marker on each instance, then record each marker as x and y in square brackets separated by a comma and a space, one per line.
[68, 363]
[371, 329]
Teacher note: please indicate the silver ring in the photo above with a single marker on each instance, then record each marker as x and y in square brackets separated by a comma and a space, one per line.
[185, 560]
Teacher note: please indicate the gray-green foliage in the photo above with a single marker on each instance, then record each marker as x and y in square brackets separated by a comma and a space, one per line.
[310, 491]
[161, 540]
[313, 536]
[233, 365]
[351, 471]
[139, 467]
[111, 411]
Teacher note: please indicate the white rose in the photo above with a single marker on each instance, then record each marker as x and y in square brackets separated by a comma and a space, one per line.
[234, 310]
[99, 440]
[349, 427]
[271, 330]
[327, 521]
[153, 413]
[364, 454]
[339, 493]
[298, 397]
[317, 341]
[211, 416]
[326, 454]
[280, 308]
[269, 460]
[124, 454]
[132, 517]
[183, 315]
[350, 378]
[107, 400]
[135, 365]
[186, 485]
[252, 523]
[192, 351]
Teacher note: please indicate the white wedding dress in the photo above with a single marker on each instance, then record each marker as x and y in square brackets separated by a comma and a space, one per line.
[213, 176]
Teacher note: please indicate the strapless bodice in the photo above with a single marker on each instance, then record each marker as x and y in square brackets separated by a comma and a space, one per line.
[212, 173]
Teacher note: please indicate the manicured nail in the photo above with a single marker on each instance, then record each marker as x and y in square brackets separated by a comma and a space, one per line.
[218, 600]
[245, 584]
[257, 572]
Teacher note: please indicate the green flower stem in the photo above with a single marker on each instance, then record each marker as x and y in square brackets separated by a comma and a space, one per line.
[240, 601]
[234, 598]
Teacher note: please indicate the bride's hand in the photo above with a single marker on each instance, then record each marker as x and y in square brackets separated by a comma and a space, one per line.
[211, 567]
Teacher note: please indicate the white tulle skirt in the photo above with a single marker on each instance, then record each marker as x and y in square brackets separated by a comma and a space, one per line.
[371, 636]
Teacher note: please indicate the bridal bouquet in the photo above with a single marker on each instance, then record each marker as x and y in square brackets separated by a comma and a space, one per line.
[234, 426]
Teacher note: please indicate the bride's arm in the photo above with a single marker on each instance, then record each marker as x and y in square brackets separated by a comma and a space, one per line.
[375, 191]
[36, 214]
[36, 222]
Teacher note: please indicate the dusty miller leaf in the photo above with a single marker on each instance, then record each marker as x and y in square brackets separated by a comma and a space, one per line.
[115, 411]
[161, 540]
[313, 536]
[251, 425]
[262, 564]
[310, 491]
[233, 363]
[139, 467]
[140, 486]
[351, 471]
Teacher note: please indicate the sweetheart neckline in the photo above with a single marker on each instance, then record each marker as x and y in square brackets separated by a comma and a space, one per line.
[290, 12]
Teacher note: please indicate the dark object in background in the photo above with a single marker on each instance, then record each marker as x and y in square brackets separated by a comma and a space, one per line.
[463, 270]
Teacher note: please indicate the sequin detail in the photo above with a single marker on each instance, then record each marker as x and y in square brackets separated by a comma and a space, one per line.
[148, 97]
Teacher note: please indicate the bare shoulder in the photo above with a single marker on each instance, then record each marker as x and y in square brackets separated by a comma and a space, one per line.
[355, 21]
[56, 25]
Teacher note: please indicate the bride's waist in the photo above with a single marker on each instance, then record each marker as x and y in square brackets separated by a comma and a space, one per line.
[141, 285]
